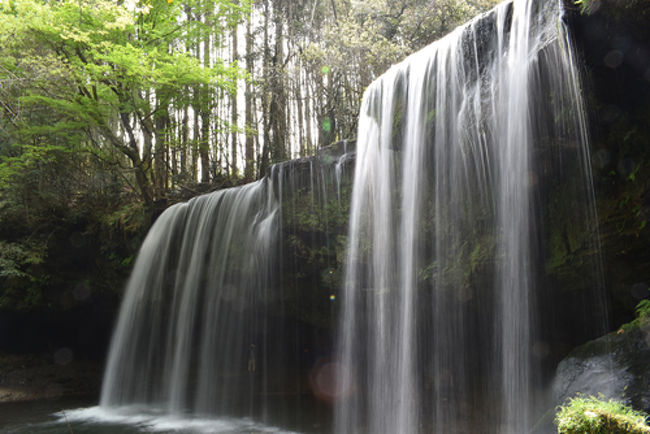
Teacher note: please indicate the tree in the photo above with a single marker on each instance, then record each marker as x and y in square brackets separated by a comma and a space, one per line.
[123, 67]
[93, 99]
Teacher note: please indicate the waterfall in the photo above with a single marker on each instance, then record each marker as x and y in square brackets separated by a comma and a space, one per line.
[214, 322]
[195, 313]
[461, 149]
[471, 167]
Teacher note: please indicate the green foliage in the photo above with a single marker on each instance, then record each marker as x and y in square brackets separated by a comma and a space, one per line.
[76, 189]
[130, 217]
[594, 416]
[362, 40]
[643, 309]
[642, 319]
[16, 258]
[586, 6]
[95, 75]
[20, 273]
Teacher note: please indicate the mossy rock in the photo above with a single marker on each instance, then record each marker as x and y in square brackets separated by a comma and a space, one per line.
[616, 366]
[590, 415]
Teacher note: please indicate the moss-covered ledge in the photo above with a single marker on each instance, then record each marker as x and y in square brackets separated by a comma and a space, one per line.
[591, 415]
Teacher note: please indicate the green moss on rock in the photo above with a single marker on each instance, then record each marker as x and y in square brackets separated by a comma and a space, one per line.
[593, 416]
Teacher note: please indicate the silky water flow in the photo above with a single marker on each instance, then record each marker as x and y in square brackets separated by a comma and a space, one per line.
[205, 329]
[194, 304]
[462, 148]
[464, 151]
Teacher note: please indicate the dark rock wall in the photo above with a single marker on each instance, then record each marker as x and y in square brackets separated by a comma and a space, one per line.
[614, 42]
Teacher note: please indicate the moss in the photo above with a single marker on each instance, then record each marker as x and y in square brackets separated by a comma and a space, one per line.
[315, 210]
[572, 246]
[642, 321]
[590, 415]
[482, 254]
[558, 255]
[620, 342]
[634, 11]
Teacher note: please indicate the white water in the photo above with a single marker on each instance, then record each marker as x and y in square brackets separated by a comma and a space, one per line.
[147, 420]
[194, 316]
[459, 149]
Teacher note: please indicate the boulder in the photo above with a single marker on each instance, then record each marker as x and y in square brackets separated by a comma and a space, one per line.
[616, 366]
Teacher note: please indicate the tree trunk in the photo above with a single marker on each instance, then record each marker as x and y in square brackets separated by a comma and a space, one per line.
[197, 150]
[233, 112]
[161, 122]
[266, 77]
[299, 110]
[249, 170]
[184, 143]
[277, 109]
[309, 108]
[139, 167]
[205, 104]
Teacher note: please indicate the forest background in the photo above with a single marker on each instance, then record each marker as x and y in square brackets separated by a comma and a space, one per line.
[112, 110]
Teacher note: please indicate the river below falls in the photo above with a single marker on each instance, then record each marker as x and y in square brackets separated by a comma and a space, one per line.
[82, 416]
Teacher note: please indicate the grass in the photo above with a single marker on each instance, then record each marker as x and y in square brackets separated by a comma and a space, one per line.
[590, 415]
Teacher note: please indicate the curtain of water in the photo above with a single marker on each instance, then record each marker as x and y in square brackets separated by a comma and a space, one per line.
[193, 319]
[215, 318]
[461, 148]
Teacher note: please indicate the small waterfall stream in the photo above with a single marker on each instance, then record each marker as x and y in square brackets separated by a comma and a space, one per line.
[212, 322]
[179, 342]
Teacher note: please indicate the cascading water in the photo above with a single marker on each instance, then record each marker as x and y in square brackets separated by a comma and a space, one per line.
[195, 312]
[469, 154]
[214, 324]
[462, 148]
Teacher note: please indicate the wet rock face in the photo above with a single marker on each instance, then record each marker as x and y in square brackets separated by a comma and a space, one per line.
[614, 43]
[616, 366]
[613, 39]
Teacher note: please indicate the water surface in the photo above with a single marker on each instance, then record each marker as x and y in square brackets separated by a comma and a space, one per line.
[80, 416]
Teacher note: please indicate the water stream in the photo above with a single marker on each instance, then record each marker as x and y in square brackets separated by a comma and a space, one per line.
[459, 148]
